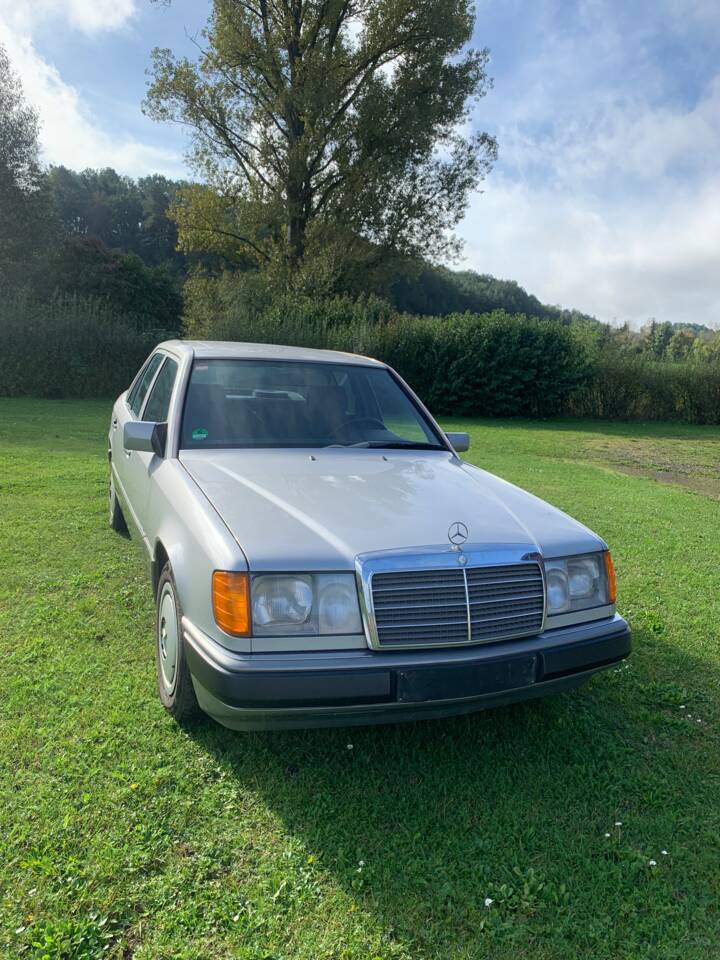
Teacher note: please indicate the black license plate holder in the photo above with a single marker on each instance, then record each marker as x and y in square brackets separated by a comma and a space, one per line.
[459, 682]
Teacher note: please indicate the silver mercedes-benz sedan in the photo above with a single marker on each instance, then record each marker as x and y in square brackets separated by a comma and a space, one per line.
[321, 555]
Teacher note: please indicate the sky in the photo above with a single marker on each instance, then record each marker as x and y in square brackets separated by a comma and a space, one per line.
[606, 193]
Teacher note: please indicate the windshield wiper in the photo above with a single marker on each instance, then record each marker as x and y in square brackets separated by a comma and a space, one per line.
[397, 445]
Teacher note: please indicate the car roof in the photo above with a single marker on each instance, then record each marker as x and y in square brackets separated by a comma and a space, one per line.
[230, 350]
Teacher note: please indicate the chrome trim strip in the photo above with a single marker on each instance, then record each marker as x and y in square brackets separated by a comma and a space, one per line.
[467, 601]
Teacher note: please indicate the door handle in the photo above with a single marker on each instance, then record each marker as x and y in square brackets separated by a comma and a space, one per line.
[114, 423]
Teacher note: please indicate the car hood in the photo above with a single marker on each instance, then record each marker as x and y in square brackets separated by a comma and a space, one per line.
[319, 509]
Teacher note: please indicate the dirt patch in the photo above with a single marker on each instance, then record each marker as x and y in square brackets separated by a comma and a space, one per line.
[694, 464]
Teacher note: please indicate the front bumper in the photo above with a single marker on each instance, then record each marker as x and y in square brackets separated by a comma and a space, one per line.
[345, 688]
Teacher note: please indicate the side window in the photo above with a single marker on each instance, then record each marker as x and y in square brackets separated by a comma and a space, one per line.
[156, 409]
[135, 400]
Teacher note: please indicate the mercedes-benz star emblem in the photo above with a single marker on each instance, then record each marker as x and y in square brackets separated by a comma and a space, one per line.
[457, 533]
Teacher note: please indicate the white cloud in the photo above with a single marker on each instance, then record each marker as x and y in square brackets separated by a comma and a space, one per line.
[607, 193]
[70, 134]
[90, 16]
[622, 140]
[618, 261]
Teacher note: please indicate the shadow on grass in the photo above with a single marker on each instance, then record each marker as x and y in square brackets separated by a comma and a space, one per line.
[442, 813]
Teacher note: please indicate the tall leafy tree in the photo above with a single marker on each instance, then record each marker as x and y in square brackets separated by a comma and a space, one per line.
[24, 220]
[318, 118]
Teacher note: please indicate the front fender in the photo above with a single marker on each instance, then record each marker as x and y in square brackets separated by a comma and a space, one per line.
[185, 527]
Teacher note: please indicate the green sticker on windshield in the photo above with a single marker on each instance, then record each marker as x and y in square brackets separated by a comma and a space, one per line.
[200, 434]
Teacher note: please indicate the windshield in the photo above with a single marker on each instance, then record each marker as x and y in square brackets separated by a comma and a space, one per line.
[281, 403]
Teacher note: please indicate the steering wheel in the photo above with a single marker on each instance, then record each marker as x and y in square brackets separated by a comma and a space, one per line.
[355, 420]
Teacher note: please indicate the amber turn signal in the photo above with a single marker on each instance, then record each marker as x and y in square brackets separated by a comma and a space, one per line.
[611, 581]
[231, 602]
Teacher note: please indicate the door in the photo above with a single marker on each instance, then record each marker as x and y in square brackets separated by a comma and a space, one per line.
[138, 464]
[125, 410]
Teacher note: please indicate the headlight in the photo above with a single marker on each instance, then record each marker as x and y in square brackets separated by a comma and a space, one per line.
[281, 600]
[579, 583]
[309, 604]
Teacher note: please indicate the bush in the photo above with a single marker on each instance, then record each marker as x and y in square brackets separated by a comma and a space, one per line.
[244, 306]
[471, 365]
[632, 388]
[461, 365]
[87, 268]
[70, 347]
[487, 365]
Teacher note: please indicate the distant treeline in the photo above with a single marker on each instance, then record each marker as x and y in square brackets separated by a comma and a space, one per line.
[97, 234]
[113, 237]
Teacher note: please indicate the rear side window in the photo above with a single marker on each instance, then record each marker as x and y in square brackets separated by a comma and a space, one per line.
[156, 409]
[137, 394]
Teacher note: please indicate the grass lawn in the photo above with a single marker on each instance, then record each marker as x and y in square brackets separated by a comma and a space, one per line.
[122, 835]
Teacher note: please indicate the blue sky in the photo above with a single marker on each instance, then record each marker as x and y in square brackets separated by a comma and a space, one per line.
[606, 194]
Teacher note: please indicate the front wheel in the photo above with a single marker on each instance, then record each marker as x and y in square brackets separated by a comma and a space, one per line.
[174, 681]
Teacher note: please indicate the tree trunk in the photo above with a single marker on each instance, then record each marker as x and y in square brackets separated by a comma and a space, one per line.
[295, 229]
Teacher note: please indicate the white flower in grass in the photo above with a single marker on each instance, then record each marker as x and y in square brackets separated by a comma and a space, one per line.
[361, 863]
[489, 901]
[664, 852]
[652, 863]
[682, 706]
[607, 834]
[349, 746]
[618, 823]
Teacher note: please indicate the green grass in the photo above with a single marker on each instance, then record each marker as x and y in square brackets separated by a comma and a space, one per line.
[123, 835]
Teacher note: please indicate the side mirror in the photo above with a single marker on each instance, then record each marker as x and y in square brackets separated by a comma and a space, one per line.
[145, 436]
[459, 441]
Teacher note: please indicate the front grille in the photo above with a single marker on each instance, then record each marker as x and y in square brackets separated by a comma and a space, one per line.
[475, 605]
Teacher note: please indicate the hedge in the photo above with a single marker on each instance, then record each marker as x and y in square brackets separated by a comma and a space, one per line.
[492, 364]
[630, 388]
[70, 347]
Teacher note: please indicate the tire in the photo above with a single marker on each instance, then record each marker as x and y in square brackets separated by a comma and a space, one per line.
[174, 681]
[115, 516]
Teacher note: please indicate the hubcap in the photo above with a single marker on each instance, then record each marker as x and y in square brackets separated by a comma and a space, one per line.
[167, 639]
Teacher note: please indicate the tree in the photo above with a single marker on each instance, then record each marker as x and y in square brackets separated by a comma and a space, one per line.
[657, 336]
[158, 239]
[680, 344]
[100, 204]
[317, 118]
[125, 214]
[24, 210]
[149, 296]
